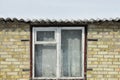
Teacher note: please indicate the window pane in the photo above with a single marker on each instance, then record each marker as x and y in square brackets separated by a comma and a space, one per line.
[71, 53]
[45, 60]
[45, 35]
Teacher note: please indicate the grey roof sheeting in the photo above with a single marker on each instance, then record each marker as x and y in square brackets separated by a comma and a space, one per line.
[48, 21]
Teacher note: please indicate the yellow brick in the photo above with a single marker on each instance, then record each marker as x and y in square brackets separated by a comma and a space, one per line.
[6, 70]
[112, 72]
[18, 43]
[3, 66]
[3, 62]
[88, 75]
[116, 63]
[98, 69]
[108, 69]
[11, 59]
[117, 56]
[96, 49]
[16, 69]
[97, 36]
[102, 52]
[112, 78]
[102, 46]
[98, 56]
[108, 36]
[89, 72]
[95, 62]
[92, 65]
[113, 66]
[99, 43]
[102, 59]
[6, 56]
[92, 59]
[103, 65]
[26, 76]
[102, 72]
[16, 63]
[108, 56]
[2, 59]
[1, 76]
[15, 77]
[22, 79]
[92, 52]
[92, 46]
[106, 63]
[12, 73]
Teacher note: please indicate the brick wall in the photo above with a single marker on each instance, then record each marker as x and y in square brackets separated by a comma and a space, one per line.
[103, 53]
[103, 56]
[14, 54]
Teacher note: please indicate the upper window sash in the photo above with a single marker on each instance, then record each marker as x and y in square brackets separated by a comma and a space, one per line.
[35, 30]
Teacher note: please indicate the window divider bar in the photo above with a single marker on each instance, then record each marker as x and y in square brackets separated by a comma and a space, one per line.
[33, 38]
[83, 42]
[51, 42]
[58, 52]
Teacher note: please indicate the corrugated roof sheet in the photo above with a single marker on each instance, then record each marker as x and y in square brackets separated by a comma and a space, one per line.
[47, 21]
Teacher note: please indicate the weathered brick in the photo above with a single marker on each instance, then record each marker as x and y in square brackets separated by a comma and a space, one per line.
[107, 52]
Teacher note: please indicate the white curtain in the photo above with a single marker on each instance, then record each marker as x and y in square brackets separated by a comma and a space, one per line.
[71, 53]
[45, 55]
[45, 61]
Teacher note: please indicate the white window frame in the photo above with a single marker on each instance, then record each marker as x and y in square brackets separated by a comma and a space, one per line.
[58, 48]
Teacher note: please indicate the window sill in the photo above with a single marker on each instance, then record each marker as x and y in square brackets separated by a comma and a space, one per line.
[63, 78]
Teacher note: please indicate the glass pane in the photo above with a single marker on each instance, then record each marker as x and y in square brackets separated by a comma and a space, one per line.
[45, 35]
[71, 53]
[45, 60]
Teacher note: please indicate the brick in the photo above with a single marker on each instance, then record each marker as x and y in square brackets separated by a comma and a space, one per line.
[116, 63]
[99, 43]
[22, 79]
[92, 52]
[6, 69]
[112, 72]
[106, 63]
[102, 46]
[3, 62]
[92, 46]
[92, 59]
[113, 66]
[108, 36]
[92, 65]
[98, 69]
[6, 56]
[12, 73]
[108, 56]
[103, 65]
[11, 59]
[108, 69]
[98, 56]
[97, 36]
[102, 52]
[117, 56]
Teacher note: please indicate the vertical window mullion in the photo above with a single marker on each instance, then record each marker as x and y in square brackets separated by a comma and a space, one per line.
[33, 39]
[83, 39]
[58, 33]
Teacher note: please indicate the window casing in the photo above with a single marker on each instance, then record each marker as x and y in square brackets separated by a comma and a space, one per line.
[58, 53]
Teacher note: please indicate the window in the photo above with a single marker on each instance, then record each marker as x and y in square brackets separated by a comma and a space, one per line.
[58, 53]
